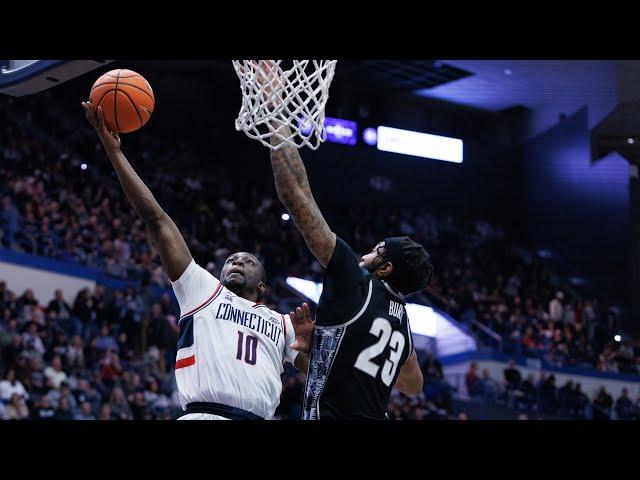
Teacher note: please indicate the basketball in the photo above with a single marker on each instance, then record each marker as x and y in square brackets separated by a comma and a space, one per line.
[126, 99]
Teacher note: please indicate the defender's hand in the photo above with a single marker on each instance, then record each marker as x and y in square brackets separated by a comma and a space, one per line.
[110, 140]
[303, 327]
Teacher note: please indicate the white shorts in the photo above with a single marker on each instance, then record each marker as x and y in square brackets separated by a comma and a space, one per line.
[201, 416]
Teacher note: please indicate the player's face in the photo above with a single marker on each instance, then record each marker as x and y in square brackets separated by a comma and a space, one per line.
[368, 260]
[242, 272]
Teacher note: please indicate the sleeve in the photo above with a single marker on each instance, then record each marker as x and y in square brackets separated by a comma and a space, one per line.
[289, 337]
[345, 288]
[195, 288]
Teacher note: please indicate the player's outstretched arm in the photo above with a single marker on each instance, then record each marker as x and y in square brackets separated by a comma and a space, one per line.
[291, 179]
[164, 234]
[292, 185]
[410, 379]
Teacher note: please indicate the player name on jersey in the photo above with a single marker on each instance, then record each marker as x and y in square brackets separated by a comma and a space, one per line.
[267, 326]
[396, 309]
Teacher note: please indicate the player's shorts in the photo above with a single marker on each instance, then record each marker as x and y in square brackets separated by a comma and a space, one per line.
[201, 416]
[216, 411]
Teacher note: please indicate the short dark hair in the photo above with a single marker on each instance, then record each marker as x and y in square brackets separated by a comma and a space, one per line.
[412, 268]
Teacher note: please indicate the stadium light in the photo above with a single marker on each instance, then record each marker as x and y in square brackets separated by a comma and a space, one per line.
[420, 144]
[370, 136]
[285, 217]
[83, 166]
[617, 338]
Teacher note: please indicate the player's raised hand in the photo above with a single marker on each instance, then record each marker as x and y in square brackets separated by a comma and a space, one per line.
[109, 139]
[303, 327]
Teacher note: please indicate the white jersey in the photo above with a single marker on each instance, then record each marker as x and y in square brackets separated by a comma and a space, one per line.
[230, 351]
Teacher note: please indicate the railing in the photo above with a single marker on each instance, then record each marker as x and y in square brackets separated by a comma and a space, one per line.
[488, 332]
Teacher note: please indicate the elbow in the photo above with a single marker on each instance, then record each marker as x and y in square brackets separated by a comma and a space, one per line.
[413, 387]
[152, 217]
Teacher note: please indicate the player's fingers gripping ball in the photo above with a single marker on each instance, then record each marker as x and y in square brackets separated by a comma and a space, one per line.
[126, 99]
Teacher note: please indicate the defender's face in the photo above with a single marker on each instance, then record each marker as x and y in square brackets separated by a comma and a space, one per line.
[241, 270]
[368, 259]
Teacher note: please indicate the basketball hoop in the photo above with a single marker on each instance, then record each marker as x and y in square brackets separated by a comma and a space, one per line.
[286, 103]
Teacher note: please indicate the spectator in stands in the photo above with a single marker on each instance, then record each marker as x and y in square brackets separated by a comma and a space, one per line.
[63, 412]
[119, 406]
[602, 404]
[75, 361]
[9, 354]
[161, 335]
[5, 293]
[17, 408]
[490, 387]
[556, 310]
[54, 374]
[44, 410]
[85, 412]
[62, 311]
[624, 406]
[105, 412]
[85, 393]
[526, 394]
[82, 311]
[110, 368]
[528, 342]
[10, 386]
[578, 403]
[8, 329]
[138, 406]
[473, 382]
[548, 396]
[37, 380]
[105, 341]
[565, 395]
[512, 376]
[32, 341]
[9, 222]
[26, 305]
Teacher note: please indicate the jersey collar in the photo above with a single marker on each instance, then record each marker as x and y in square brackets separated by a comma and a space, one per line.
[397, 295]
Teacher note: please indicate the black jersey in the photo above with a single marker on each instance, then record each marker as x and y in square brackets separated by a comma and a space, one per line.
[361, 340]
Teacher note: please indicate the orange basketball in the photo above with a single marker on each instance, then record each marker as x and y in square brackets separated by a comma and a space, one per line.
[126, 99]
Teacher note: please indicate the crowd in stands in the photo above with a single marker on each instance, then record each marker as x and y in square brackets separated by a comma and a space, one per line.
[543, 397]
[109, 353]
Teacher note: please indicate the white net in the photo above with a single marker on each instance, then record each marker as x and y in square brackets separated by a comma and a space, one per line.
[284, 100]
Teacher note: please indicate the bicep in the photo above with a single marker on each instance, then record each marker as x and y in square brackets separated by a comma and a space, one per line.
[171, 246]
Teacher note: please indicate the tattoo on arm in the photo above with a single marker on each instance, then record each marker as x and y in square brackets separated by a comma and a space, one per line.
[292, 185]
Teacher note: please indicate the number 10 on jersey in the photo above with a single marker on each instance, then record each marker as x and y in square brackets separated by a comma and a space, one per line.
[249, 346]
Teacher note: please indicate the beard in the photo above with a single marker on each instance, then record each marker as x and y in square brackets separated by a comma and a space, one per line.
[375, 264]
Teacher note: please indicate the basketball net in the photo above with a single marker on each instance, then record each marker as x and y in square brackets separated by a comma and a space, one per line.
[285, 103]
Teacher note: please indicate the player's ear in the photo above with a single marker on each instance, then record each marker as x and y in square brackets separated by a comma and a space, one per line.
[386, 269]
[261, 288]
